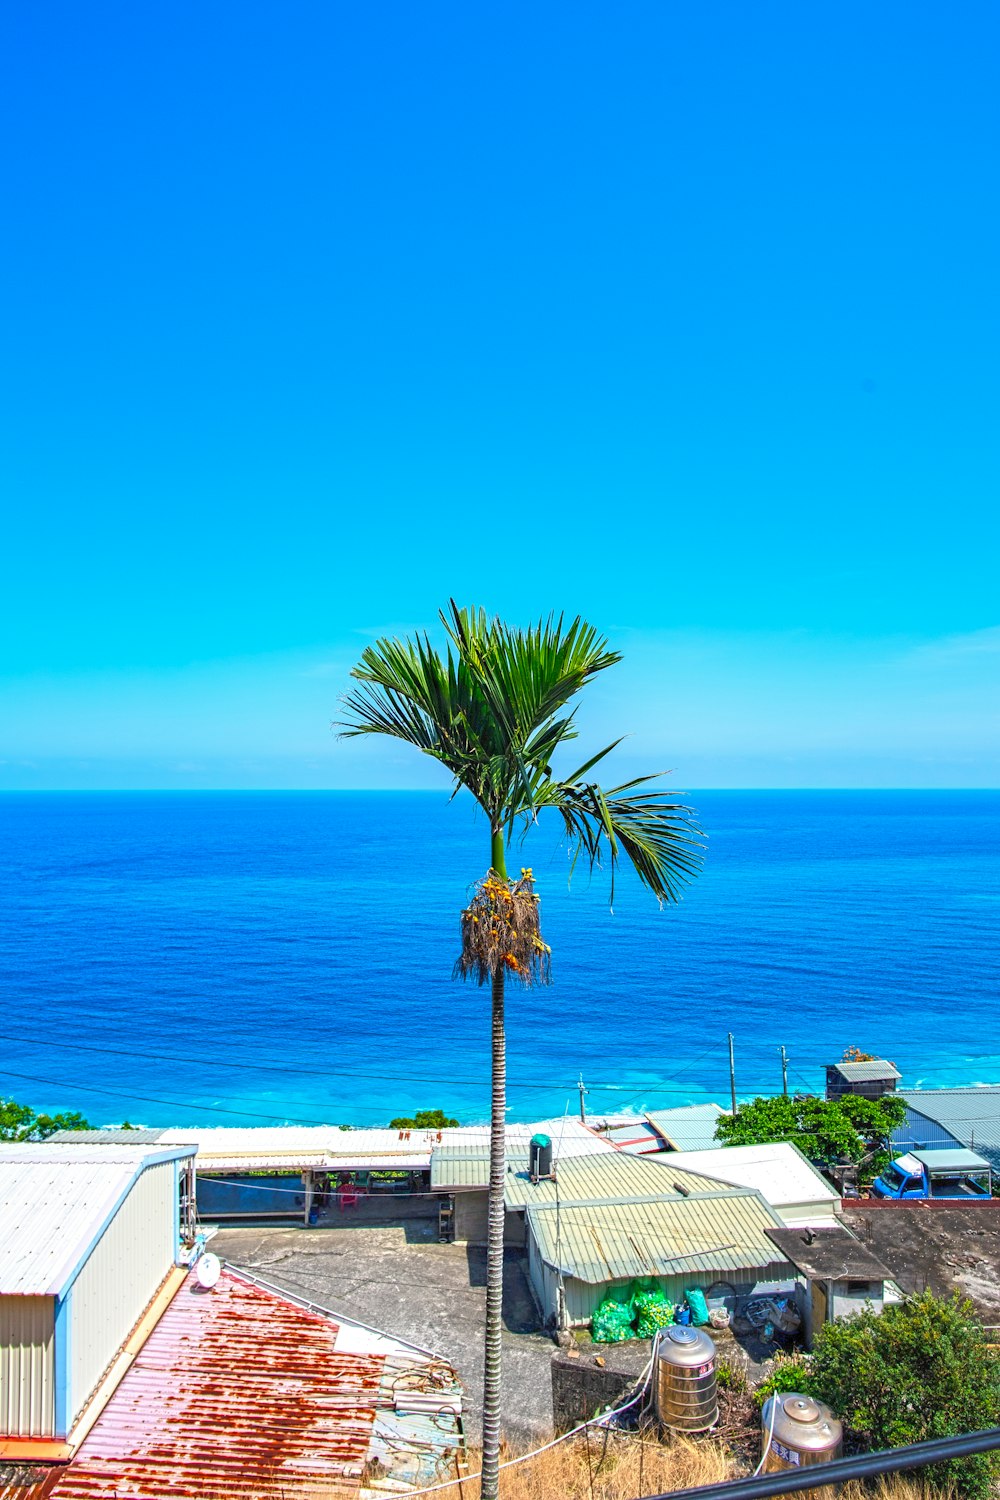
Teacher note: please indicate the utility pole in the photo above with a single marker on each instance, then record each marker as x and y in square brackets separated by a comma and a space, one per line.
[732, 1073]
[784, 1072]
[583, 1112]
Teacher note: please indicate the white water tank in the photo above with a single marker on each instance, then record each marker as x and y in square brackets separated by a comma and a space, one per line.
[687, 1398]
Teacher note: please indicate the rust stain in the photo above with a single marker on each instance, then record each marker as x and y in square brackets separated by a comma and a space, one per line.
[235, 1394]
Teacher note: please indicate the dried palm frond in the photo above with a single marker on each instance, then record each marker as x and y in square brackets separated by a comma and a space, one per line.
[500, 932]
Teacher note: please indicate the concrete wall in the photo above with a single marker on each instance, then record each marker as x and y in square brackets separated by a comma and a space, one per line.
[471, 1208]
[812, 1214]
[260, 1196]
[580, 1387]
[847, 1298]
[27, 1367]
[470, 1217]
[117, 1282]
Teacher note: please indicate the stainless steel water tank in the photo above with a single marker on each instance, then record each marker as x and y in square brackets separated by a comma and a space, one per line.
[687, 1399]
[805, 1432]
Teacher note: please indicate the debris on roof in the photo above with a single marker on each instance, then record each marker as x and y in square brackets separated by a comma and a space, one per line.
[829, 1254]
[710, 1233]
[241, 1391]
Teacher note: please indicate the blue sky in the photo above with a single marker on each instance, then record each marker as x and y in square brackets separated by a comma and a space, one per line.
[681, 317]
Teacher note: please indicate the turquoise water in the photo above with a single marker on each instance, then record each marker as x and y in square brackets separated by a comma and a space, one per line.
[238, 958]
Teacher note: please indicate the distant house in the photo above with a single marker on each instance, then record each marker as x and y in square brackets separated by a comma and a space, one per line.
[871, 1079]
[968, 1117]
[842, 1275]
[690, 1127]
[779, 1172]
[89, 1244]
[581, 1253]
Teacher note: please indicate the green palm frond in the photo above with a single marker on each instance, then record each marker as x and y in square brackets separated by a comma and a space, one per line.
[659, 838]
[495, 708]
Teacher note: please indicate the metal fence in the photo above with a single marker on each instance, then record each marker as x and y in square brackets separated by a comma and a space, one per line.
[861, 1466]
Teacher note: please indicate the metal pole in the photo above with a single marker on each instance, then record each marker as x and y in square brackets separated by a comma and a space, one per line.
[732, 1073]
[583, 1112]
[784, 1072]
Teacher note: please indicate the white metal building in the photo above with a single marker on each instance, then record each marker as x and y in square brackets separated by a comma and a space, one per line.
[779, 1172]
[87, 1239]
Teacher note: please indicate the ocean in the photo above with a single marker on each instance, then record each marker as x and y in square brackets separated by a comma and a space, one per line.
[240, 958]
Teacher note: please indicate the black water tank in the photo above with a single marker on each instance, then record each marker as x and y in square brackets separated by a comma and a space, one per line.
[540, 1156]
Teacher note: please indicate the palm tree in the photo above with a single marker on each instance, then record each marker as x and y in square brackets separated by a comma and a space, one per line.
[493, 710]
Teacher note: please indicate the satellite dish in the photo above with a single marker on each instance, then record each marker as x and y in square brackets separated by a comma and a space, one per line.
[208, 1270]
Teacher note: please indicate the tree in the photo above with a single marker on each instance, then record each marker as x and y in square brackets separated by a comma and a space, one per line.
[921, 1369]
[18, 1122]
[424, 1119]
[825, 1130]
[493, 710]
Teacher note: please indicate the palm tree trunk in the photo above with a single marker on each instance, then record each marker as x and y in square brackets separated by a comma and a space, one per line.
[490, 1484]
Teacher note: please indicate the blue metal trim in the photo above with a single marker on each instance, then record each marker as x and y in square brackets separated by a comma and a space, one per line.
[62, 1354]
[177, 1213]
[154, 1159]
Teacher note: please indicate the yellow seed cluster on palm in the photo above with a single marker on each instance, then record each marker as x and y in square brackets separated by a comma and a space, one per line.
[500, 932]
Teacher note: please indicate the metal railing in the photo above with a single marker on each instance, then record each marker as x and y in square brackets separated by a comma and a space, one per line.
[839, 1470]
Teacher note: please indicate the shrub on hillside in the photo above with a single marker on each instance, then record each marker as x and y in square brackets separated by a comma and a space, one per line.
[921, 1369]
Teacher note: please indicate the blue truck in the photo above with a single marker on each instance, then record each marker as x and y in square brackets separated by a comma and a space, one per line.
[946, 1172]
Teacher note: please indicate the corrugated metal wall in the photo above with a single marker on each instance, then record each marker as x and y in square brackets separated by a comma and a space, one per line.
[582, 1298]
[918, 1133]
[27, 1371]
[119, 1279]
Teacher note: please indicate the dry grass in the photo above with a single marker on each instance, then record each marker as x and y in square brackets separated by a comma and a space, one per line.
[605, 1465]
[624, 1466]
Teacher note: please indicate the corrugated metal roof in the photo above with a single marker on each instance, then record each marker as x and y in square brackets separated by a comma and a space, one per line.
[945, 1160]
[691, 1128]
[971, 1115]
[254, 1148]
[115, 1137]
[637, 1137]
[779, 1172]
[867, 1072]
[711, 1234]
[54, 1203]
[613, 1174]
[239, 1391]
[619, 1176]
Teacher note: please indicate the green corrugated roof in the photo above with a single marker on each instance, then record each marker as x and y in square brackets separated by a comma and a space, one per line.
[608, 1174]
[709, 1233]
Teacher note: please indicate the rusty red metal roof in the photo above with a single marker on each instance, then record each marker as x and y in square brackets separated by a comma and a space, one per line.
[236, 1393]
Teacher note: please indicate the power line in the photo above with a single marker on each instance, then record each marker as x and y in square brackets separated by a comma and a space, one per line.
[147, 1099]
[348, 1072]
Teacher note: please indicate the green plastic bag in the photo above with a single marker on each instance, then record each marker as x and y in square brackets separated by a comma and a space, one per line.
[699, 1307]
[612, 1322]
[653, 1312]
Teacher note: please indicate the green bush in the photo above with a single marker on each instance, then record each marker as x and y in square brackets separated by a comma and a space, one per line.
[790, 1373]
[921, 1369]
[424, 1119]
[19, 1122]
